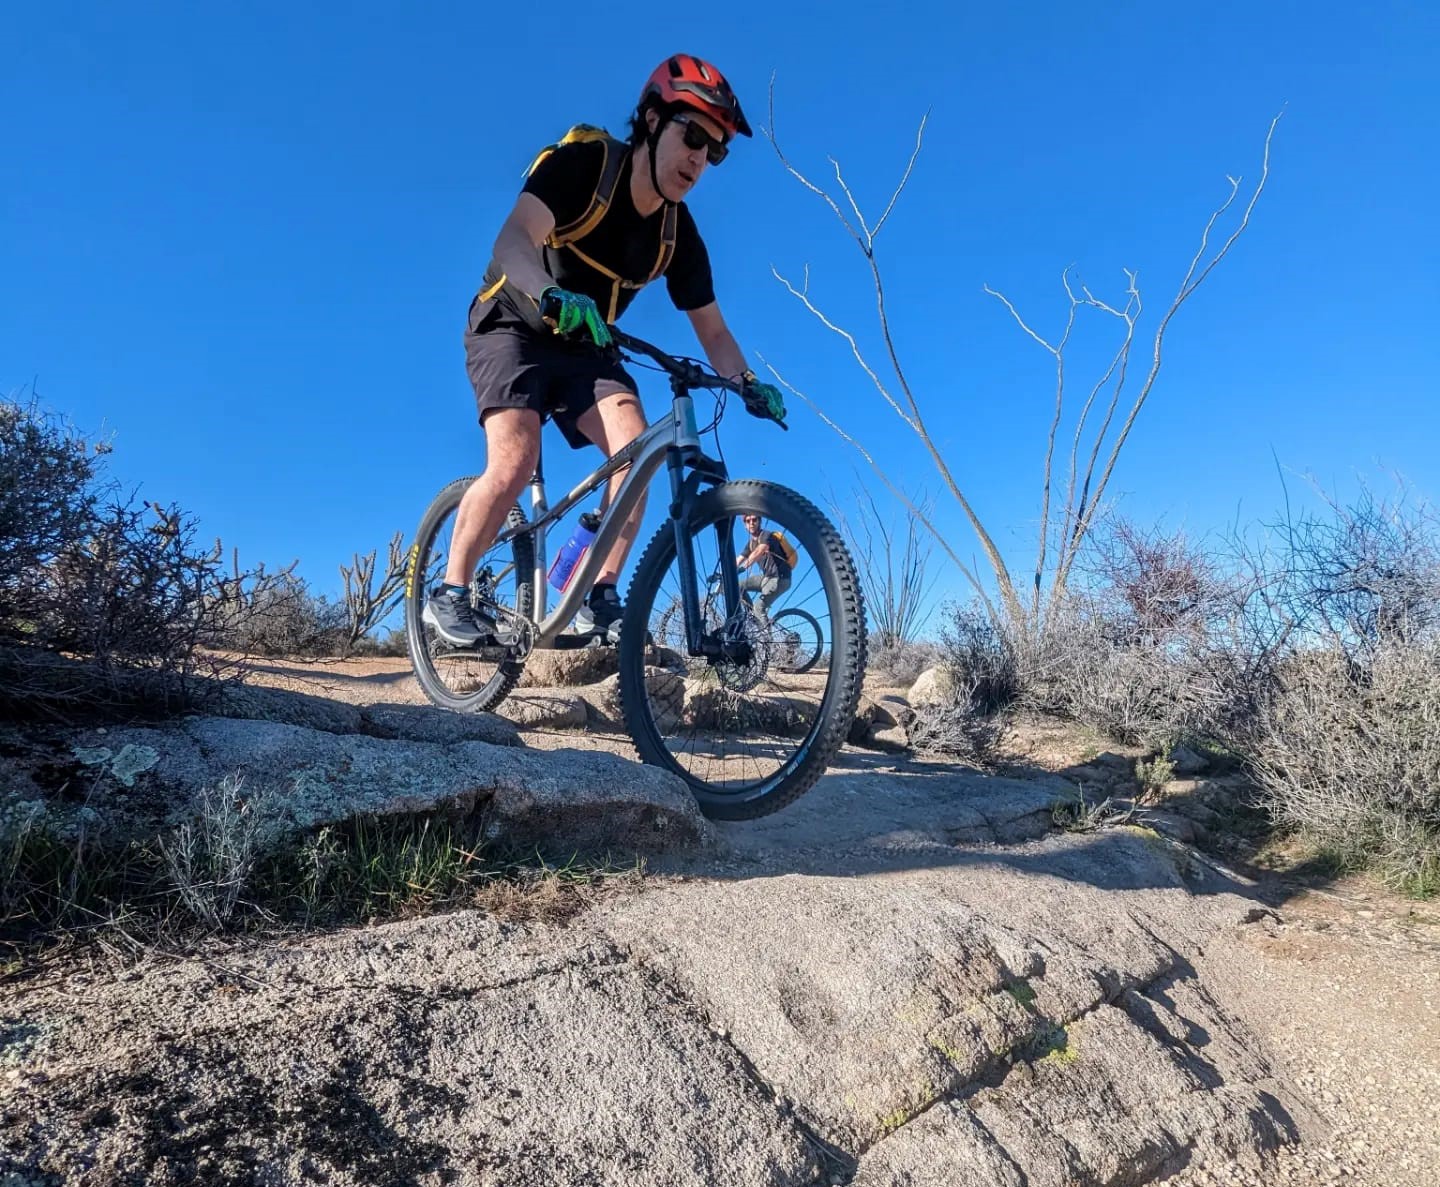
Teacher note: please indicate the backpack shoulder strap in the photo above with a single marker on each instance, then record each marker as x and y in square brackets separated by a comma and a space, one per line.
[612, 161]
[668, 229]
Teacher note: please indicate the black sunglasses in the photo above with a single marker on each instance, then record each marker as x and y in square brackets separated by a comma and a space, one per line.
[697, 137]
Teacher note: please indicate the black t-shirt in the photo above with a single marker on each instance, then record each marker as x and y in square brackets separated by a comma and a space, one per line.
[624, 241]
[773, 562]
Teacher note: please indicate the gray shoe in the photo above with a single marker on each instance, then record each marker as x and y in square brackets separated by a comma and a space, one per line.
[452, 617]
[601, 615]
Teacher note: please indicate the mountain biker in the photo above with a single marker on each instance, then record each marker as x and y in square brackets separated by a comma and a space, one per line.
[765, 550]
[565, 264]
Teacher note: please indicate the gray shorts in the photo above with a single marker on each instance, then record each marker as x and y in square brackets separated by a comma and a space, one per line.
[510, 366]
[767, 589]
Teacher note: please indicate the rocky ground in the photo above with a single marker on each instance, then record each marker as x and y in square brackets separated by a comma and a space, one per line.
[911, 976]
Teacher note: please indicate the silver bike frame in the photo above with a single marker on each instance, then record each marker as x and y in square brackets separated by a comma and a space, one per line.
[644, 455]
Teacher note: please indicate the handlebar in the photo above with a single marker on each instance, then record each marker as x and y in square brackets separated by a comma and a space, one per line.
[685, 373]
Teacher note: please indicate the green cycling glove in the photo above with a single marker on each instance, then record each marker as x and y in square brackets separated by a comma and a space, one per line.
[762, 399]
[574, 311]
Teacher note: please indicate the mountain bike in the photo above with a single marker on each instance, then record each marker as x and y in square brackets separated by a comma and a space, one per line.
[797, 642]
[710, 702]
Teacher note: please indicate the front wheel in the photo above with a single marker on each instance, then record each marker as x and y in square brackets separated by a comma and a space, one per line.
[749, 734]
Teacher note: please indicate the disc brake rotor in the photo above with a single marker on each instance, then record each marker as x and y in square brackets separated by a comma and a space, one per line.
[742, 677]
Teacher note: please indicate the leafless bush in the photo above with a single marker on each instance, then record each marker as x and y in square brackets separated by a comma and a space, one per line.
[1090, 669]
[105, 602]
[1351, 756]
[1354, 576]
[984, 661]
[391, 645]
[1151, 644]
[958, 728]
[275, 613]
[131, 588]
[1342, 622]
[1157, 586]
[46, 473]
[894, 566]
[984, 674]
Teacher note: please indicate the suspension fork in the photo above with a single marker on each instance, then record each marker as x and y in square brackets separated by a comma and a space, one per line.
[683, 491]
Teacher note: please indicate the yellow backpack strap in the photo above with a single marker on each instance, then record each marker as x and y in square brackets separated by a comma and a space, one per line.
[613, 162]
[667, 240]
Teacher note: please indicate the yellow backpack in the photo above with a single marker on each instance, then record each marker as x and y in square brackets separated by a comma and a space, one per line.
[565, 236]
[787, 550]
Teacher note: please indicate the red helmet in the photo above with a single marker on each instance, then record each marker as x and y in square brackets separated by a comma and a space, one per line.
[687, 81]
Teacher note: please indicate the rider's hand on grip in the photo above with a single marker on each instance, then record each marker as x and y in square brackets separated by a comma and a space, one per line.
[571, 312]
[762, 399]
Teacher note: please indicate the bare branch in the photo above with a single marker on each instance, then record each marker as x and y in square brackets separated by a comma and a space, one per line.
[1020, 321]
[860, 218]
[802, 179]
[997, 564]
[895, 197]
[1120, 361]
[1050, 444]
[920, 515]
[1187, 287]
[803, 295]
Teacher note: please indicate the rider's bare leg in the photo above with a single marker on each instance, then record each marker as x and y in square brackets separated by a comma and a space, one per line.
[613, 423]
[512, 448]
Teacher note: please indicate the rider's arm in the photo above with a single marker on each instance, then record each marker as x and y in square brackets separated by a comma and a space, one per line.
[716, 340]
[517, 247]
[746, 559]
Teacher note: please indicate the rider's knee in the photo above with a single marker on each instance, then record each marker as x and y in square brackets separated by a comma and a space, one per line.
[512, 464]
[510, 475]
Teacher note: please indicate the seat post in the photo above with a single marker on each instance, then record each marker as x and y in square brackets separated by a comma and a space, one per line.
[538, 503]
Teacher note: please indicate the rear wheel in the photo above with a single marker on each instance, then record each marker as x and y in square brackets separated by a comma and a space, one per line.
[744, 733]
[797, 640]
[467, 680]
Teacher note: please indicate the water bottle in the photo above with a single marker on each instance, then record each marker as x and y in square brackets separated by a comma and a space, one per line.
[575, 547]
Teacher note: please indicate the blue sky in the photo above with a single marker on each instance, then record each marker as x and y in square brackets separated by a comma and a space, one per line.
[242, 239]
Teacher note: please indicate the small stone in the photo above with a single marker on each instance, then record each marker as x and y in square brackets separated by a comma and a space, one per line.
[1186, 762]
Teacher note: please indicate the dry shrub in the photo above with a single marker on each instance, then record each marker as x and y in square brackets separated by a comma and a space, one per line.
[958, 729]
[1350, 756]
[211, 859]
[984, 659]
[1356, 576]
[105, 601]
[1137, 692]
[1156, 643]
[981, 661]
[46, 472]
[109, 603]
[278, 614]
